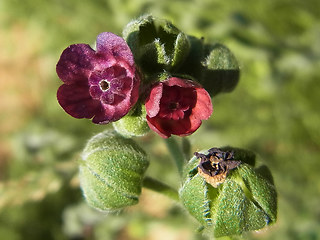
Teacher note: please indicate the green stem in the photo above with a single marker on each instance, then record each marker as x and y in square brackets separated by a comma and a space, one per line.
[160, 187]
[176, 153]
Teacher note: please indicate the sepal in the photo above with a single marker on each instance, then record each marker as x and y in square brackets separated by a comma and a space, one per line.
[134, 124]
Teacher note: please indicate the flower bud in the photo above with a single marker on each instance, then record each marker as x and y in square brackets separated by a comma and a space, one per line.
[156, 44]
[212, 65]
[111, 171]
[220, 69]
[133, 125]
[226, 194]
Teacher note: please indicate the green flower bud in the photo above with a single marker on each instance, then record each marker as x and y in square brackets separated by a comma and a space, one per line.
[226, 194]
[212, 65]
[133, 125]
[157, 45]
[220, 69]
[111, 171]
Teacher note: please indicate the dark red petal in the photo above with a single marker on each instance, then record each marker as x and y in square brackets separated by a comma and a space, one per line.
[75, 63]
[111, 44]
[185, 83]
[203, 108]
[182, 127]
[153, 101]
[76, 101]
[155, 125]
[194, 124]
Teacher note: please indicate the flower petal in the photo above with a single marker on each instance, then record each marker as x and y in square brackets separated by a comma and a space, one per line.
[75, 63]
[153, 101]
[203, 108]
[185, 83]
[76, 101]
[111, 44]
[104, 115]
[182, 127]
[155, 124]
[111, 113]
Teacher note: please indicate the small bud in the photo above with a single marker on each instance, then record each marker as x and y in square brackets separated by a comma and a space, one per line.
[156, 44]
[220, 69]
[212, 65]
[133, 125]
[111, 171]
[226, 194]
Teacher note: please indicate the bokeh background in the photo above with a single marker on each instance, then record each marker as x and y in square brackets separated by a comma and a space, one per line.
[274, 111]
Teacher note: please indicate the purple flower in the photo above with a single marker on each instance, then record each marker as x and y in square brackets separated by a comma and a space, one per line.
[102, 84]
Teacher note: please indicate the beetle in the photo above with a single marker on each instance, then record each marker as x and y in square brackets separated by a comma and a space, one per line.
[215, 165]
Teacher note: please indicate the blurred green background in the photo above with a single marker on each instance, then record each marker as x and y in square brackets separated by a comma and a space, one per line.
[274, 111]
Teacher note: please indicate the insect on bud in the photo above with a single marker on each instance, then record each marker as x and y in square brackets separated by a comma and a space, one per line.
[215, 166]
[226, 194]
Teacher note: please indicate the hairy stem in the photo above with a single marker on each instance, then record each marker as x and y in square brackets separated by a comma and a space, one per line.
[160, 187]
[176, 153]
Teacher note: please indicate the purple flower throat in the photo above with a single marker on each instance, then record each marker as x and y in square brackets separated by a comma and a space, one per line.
[109, 85]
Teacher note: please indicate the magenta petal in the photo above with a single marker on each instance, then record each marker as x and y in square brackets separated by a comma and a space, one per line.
[104, 115]
[95, 92]
[75, 63]
[111, 44]
[102, 84]
[76, 101]
[109, 113]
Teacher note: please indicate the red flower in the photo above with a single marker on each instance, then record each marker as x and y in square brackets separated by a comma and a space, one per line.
[101, 84]
[177, 106]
